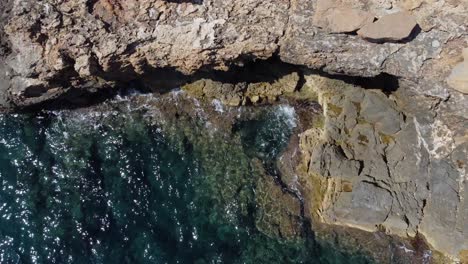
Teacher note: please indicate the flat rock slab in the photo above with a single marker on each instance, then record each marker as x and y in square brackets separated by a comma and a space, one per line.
[348, 20]
[458, 79]
[390, 28]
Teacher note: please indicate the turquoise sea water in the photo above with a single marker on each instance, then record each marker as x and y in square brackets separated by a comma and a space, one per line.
[152, 184]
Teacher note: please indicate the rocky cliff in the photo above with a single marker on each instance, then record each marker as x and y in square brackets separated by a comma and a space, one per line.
[391, 152]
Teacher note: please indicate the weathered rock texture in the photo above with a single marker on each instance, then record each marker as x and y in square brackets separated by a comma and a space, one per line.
[58, 45]
[458, 79]
[394, 159]
[387, 163]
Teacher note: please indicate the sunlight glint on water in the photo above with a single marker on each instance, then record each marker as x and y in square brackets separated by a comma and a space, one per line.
[113, 187]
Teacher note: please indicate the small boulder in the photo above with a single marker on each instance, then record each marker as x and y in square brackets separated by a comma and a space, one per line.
[344, 20]
[331, 16]
[458, 79]
[390, 28]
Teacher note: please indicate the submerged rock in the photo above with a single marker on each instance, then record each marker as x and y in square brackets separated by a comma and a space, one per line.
[273, 218]
[152, 174]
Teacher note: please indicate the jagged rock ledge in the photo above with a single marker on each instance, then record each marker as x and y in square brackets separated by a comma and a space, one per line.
[391, 155]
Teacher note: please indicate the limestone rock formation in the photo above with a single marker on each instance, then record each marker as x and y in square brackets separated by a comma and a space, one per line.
[123, 41]
[393, 171]
[458, 79]
[391, 153]
[393, 27]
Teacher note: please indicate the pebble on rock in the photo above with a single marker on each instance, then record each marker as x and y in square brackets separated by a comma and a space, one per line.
[390, 28]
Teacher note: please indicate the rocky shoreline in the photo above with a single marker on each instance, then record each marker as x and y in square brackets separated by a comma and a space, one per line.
[390, 152]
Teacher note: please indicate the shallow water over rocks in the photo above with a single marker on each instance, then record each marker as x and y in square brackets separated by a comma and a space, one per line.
[152, 180]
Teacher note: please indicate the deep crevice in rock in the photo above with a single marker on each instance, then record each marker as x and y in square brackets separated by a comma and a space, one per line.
[164, 80]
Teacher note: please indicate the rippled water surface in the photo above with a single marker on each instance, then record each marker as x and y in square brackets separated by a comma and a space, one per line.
[132, 184]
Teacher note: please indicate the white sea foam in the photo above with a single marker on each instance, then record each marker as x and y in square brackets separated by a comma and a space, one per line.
[219, 107]
[289, 113]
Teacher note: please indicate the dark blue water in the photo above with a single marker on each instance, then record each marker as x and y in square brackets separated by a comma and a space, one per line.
[170, 182]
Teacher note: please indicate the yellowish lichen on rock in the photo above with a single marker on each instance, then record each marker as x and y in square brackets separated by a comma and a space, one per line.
[386, 139]
[242, 93]
[333, 109]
